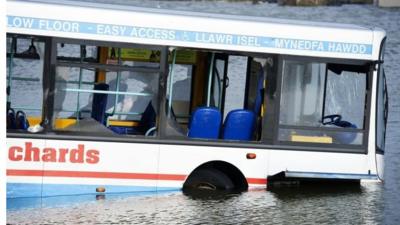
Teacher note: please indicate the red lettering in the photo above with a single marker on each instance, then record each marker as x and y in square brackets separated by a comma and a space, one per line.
[12, 153]
[76, 155]
[34, 154]
[92, 156]
[31, 152]
[49, 155]
[63, 153]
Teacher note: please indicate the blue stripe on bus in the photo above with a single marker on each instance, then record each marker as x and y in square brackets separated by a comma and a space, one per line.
[186, 35]
[22, 190]
[26, 195]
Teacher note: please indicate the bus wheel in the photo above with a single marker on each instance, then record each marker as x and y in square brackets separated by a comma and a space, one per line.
[208, 179]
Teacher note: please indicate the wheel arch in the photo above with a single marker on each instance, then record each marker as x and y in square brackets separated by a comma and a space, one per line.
[230, 170]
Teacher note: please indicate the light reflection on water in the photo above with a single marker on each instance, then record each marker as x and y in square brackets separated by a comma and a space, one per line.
[369, 204]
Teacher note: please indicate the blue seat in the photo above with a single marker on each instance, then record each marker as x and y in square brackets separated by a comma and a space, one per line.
[341, 137]
[99, 103]
[239, 125]
[205, 123]
[21, 121]
[345, 137]
[11, 123]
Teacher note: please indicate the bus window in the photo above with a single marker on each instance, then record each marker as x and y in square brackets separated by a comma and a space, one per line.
[25, 62]
[382, 111]
[68, 102]
[181, 92]
[139, 90]
[105, 90]
[256, 94]
[73, 52]
[322, 103]
[345, 95]
[235, 80]
[181, 70]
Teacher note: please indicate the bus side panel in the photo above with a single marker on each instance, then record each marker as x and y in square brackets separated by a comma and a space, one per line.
[380, 166]
[184, 159]
[24, 167]
[327, 163]
[85, 167]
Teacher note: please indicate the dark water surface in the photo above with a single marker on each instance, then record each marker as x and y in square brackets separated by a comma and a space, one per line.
[370, 203]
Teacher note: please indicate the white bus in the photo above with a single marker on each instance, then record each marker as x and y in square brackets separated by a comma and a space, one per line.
[112, 98]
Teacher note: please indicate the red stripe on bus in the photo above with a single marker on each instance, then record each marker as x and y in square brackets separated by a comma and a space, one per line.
[90, 174]
[112, 175]
[33, 173]
[256, 181]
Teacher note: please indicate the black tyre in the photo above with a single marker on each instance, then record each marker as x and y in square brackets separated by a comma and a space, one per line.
[209, 179]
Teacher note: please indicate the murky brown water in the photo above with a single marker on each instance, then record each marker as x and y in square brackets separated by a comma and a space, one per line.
[368, 204]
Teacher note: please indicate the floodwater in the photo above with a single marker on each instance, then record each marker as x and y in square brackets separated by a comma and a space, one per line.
[370, 203]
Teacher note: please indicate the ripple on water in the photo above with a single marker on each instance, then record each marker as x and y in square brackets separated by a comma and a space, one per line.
[298, 205]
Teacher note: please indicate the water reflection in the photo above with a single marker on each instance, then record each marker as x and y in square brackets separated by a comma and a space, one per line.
[210, 194]
[284, 205]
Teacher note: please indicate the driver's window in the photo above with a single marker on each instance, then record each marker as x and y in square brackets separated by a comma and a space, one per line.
[322, 103]
[345, 95]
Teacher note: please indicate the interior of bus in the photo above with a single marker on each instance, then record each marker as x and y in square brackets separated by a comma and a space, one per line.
[83, 87]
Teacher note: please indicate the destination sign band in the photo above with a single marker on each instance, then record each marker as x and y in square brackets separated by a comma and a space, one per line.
[186, 36]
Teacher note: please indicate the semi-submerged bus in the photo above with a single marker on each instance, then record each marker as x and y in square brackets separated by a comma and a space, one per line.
[113, 98]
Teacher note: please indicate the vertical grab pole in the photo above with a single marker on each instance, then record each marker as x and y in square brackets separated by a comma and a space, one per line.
[78, 108]
[171, 81]
[210, 72]
[116, 88]
[10, 71]
[117, 83]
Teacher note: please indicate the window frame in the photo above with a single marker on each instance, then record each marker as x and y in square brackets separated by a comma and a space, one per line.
[45, 75]
[54, 63]
[162, 138]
